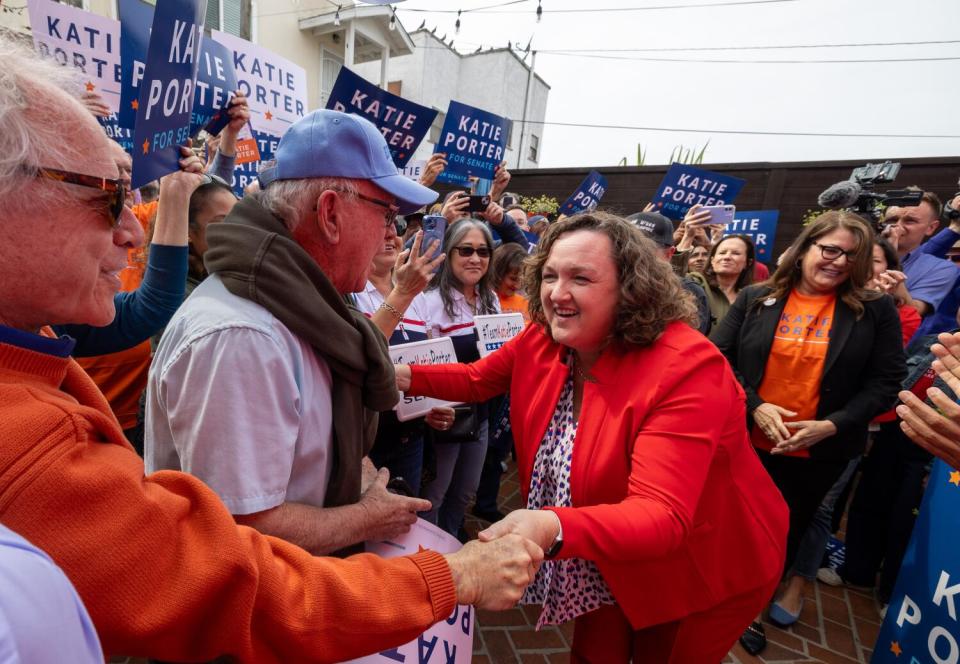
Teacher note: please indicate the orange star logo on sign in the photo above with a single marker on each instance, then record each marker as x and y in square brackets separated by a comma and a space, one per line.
[146, 146]
[135, 104]
[955, 478]
[895, 648]
[90, 86]
[268, 115]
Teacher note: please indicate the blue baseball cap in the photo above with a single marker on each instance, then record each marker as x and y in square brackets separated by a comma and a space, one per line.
[331, 144]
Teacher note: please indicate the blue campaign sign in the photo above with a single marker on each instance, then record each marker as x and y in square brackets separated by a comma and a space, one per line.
[587, 196]
[244, 174]
[474, 141]
[684, 186]
[402, 123]
[921, 624]
[760, 225]
[216, 83]
[136, 17]
[122, 135]
[165, 103]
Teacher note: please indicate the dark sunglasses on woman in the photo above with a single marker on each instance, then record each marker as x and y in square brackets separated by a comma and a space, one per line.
[467, 252]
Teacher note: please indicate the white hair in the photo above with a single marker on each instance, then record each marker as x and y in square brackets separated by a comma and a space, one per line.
[292, 201]
[40, 121]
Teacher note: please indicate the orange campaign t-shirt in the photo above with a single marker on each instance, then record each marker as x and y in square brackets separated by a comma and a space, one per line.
[795, 365]
[516, 303]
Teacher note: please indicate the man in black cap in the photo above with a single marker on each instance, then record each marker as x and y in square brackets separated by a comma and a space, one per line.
[660, 229]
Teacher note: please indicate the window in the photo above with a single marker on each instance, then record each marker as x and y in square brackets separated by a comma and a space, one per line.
[394, 87]
[510, 136]
[330, 65]
[226, 16]
[437, 127]
[534, 148]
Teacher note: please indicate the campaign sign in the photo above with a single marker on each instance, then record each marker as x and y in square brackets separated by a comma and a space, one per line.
[136, 17]
[165, 103]
[86, 41]
[413, 170]
[495, 330]
[921, 624]
[760, 226]
[587, 196]
[450, 640]
[684, 186]
[431, 351]
[246, 172]
[276, 89]
[402, 123]
[216, 82]
[474, 142]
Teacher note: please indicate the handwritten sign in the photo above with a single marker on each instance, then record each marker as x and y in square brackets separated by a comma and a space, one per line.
[495, 330]
[165, 101]
[402, 123]
[587, 196]
[922, 622]
[431, 351]
[685, 186]
[474, 141]
[760, 226]
[450, 640]
[276, 89]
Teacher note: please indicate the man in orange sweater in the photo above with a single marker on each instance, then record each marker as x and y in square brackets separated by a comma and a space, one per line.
[160, 564]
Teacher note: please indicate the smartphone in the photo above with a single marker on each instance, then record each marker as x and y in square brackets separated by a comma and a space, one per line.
[478, 203]
[507, 200]
[434, 227]
[720, 214]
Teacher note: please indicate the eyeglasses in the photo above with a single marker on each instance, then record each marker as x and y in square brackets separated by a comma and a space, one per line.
[830, 252]
[390, 217]
[467, 252]
[116, 189]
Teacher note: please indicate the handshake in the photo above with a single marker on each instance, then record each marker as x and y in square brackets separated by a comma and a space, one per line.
[492, 572]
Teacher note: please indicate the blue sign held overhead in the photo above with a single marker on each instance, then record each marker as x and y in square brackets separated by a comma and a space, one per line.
[760, 226]
[165, 103]
[923, 618]
[216, 83]
[474, 141]
[587, 196]
[402, 123]
[684, 186]
[136, 17]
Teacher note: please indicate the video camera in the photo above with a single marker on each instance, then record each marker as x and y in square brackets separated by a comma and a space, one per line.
[857, 195]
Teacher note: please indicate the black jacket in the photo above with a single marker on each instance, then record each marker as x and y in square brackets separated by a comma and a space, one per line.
[864, 367]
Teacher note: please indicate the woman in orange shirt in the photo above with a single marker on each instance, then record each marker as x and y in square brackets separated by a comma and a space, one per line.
[505, 275]
[819, 355]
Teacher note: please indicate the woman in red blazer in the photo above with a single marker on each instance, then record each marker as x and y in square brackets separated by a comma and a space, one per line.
[666, 534]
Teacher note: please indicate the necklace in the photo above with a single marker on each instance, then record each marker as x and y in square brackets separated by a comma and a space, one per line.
[583, 376]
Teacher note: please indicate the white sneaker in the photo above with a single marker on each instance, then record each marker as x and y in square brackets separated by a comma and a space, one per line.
[829, 576]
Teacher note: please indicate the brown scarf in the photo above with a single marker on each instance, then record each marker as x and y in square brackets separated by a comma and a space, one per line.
[255, 256]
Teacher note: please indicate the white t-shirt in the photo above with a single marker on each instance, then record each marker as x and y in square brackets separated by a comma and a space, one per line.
[238, 400]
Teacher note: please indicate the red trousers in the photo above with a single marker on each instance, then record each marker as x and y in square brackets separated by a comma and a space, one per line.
[605, 636]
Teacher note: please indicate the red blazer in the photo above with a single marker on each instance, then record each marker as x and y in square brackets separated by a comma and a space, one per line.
[669, 497]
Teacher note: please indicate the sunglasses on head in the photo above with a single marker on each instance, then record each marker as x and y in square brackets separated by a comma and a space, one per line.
[116, 189]
[467, 252]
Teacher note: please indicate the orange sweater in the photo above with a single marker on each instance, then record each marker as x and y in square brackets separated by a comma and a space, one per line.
[159, 562]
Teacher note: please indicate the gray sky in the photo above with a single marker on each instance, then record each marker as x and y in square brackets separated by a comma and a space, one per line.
[921, 97]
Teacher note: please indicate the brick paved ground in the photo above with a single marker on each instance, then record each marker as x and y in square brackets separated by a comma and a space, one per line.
[837, 625]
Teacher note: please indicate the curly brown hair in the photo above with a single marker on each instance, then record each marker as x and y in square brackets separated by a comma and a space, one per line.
[651, 295]
[853, 290]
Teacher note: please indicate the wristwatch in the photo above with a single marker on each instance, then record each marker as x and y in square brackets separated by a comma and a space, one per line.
[554, 548]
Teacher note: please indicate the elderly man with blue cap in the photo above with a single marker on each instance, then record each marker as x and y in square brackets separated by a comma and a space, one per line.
[266, 384]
